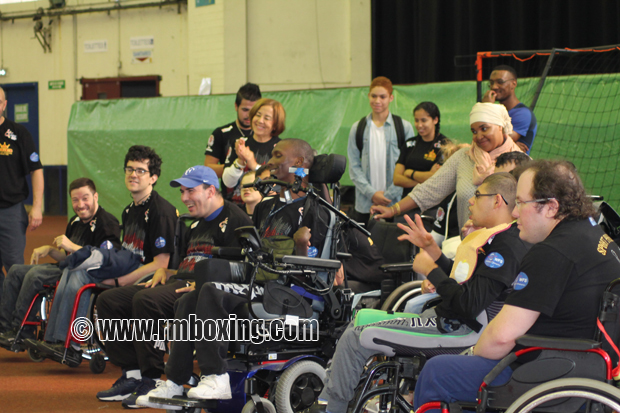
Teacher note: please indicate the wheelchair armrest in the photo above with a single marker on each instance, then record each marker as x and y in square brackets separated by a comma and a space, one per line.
[558, 343]
[104, 286]
[397, 267]
[229, 253]
[311, 262]
[343, 256]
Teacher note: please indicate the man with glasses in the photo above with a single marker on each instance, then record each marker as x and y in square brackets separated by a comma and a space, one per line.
[472, 287]
[558, 289]
[502, 85]
[148, 231]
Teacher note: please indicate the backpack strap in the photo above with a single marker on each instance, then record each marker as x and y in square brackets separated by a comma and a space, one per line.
[400, 130]
[359, 134]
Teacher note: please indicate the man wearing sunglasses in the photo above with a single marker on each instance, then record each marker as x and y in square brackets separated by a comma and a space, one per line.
[557, 292]
[148, 231]
[502, 85]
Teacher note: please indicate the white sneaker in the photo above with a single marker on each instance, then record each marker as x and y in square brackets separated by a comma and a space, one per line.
[165, 389]
[212, 387]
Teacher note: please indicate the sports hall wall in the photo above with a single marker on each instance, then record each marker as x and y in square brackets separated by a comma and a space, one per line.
[178, 128]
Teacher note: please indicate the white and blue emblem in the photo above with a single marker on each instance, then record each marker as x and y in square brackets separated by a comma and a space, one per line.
[34, 157]
[494, 260]
[521, 281]
[313, 252]
[160, 242]
[592, 221]
[106, 245]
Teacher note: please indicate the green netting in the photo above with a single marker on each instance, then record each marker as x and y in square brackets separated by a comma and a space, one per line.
[100, 132]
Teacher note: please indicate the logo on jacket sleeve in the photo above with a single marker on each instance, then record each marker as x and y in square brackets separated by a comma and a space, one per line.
[494, 260]
[160, 242]
[106, 245]
[521, 281]
[34, 157]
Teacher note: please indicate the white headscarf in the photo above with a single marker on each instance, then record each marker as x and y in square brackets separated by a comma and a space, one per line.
[491, 113]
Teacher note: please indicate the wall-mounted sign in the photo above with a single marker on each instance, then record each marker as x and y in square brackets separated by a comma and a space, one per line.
[56, 84]
[95, 46]
[142, 56]
[21, 113]
[204, 2]
[142, 42]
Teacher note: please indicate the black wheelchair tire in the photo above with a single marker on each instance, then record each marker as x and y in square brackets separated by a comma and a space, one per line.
[35, 355]
[597, 391]
[390, 303]
[297, 381]
[97, 363]
[250, 408]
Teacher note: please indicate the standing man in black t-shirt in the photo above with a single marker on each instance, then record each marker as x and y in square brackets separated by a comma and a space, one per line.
[91, 225]
[215, 222]
[557, 291]
[18, 159]
[221, 143]
[148, 231]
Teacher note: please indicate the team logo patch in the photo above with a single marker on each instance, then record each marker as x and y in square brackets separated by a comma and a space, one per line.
[440, 214]
[431, 156]
[93, 225]
[521, 281]
[211, 140]
[411, 144]
[34, 157]
[194, 225]
[592, 221]
[5, 149]
[106, 245]
[494, 260]
[160, 242]
[437, 144]
[313, 252]
[223, 224]
[9, 134]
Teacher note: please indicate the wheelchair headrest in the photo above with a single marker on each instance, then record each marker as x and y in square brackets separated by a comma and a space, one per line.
[327, 169]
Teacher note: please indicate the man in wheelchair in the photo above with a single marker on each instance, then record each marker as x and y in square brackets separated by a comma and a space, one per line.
[213, 224]
[291, 218]
[485, 266]
[556, 293]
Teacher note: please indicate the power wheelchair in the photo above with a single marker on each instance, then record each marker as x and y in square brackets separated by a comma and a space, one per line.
[278, 375]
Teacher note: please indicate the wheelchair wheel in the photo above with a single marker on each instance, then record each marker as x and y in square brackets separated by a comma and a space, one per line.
[250, 408]
[97, 363]
[397, 300]
[299, 386]
[35, 355]
[591, 390]
[372, 400]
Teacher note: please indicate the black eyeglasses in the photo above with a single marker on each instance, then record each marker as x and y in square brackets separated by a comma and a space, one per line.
[519, 204]
[499, 82]
[477, 195]
[139, 171]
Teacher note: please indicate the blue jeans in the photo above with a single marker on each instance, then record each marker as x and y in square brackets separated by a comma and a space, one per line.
[450, 378]
[60, 316]
[13, 224]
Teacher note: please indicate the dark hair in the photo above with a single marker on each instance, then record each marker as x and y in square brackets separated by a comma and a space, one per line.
[506, 68]
[303, 149]
[519, 158]
[262, 170]
[249, 91]
[504, 184]
[82, 182]
[279, 115]
[141, 153]
[433, 112]
[560, 180]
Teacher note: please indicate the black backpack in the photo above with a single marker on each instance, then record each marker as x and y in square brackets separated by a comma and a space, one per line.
[398, 125]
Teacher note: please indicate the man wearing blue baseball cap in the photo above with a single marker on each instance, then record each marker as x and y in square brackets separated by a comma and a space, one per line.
[215, 221]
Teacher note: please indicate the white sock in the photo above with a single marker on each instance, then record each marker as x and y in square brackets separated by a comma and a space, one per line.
[133, 374]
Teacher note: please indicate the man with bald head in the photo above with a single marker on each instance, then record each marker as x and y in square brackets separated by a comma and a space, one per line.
[502, 85]
[18, 159]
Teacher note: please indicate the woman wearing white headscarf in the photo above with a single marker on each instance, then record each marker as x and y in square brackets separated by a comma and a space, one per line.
[466, 169]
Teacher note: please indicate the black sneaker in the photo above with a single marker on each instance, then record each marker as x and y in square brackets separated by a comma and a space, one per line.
[8, 338]
[144, 386]
[120, 390]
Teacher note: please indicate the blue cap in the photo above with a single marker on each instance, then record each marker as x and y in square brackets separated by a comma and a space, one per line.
[195, 176]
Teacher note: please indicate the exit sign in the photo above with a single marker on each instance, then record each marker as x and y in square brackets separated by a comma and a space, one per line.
[56, 84]
[200, 3]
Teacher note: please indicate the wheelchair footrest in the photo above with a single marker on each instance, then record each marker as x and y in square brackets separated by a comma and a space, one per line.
[185, 402]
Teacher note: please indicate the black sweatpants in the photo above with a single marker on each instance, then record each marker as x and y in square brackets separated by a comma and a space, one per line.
[138, 302]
